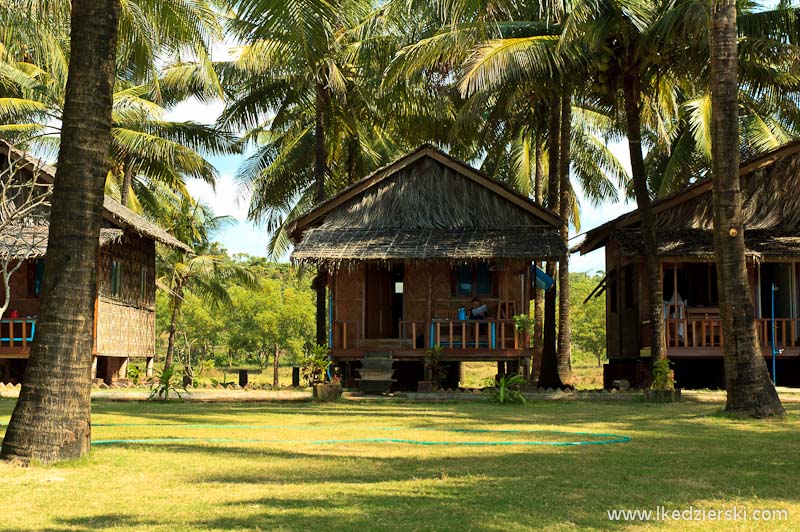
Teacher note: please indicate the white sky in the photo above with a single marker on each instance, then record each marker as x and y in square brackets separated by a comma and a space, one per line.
[244, 237]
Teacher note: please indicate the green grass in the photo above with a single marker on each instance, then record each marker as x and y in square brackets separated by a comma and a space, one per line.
[679, 455]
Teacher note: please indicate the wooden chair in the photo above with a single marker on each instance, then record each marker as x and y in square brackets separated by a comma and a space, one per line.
[451, 315]
[506, 309]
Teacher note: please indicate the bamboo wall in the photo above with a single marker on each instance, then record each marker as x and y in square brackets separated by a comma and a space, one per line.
[126, 321]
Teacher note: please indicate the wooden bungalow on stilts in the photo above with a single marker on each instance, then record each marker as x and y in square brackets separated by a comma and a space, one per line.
[684, 221]
[124, 318]
[408, 248]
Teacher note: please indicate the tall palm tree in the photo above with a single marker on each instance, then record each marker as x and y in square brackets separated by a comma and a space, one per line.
[163, 59]
[749, 389]
[205, 271]
[52, 418]
[297, 45]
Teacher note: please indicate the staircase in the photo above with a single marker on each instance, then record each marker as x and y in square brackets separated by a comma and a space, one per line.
[376, 372]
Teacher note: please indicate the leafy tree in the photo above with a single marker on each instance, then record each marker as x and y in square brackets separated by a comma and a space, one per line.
[204, 271]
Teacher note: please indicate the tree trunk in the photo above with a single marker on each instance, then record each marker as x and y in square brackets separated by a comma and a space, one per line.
[548, 376]
[565, 199]
[52, 418]
[320, 171]
[127, 180]
[631, 93]
[177, 301]
[275, 362]
[749, 389]
[538, 307]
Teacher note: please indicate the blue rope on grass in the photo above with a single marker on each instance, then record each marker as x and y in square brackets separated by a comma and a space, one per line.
[607, 438]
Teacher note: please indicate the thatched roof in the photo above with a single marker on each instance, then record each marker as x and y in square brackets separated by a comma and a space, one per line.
[114, 212]
[125, 218]
[760, 244]
[426, 206]
[30, 242]
[684, 220]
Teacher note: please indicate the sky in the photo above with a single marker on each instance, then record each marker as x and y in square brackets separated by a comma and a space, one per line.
[242, 236]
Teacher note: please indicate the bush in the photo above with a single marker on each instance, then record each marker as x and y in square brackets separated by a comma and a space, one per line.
[506, 389]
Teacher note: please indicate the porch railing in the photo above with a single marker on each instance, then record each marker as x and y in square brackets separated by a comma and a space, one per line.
[345, 334]
[17, 332]
[707, 332]
[460, 334]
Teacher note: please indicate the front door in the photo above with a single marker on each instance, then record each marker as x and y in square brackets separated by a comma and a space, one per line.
[381, 302]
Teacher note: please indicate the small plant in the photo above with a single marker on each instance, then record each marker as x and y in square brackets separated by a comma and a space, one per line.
[523, 323]
[315, 364]
[166, 382]
[662, 375]
[506, 389]
[434, 365]
[134, 373]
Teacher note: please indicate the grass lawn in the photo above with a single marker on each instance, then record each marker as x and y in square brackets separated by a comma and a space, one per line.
[679, 455]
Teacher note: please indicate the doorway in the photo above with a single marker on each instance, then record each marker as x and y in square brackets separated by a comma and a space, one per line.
[384, 301]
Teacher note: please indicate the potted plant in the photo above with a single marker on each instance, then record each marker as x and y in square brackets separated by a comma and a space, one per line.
[434, 370]
[314, 370]
[662, 389]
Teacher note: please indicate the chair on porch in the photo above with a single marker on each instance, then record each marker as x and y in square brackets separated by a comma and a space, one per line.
[451, 315]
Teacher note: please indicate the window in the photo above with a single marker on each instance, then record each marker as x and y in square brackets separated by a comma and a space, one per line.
[472, 280]
[629, 286]
[612, 295]
[35, 274]
[116, 278]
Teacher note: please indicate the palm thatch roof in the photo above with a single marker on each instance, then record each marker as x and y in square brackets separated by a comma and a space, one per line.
[30, 242]
[684, 220]
[115, 213]
[426, 206]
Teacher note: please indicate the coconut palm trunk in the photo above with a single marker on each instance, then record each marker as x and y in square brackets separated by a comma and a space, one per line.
[538, 307]
[548, 376]
[320, 170]
[631, 94]
[127, 182]
[749, 389]
[565, 200]
[177, 301]
[52, 418]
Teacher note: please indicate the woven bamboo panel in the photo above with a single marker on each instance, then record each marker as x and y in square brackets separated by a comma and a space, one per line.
[123, 330]
[349, 286]
[136, 255]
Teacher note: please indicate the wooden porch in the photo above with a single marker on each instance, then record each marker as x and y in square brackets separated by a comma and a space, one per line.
[16, 335]
[701, 336]
[468, 340]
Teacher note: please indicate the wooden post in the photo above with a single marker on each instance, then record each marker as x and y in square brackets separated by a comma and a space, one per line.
[477, 334]
[344, 335]
[429, 306]
[450, 323]
[463, 335]
[413, 335]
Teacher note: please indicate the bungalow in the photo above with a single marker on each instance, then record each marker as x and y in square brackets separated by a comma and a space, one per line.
[124, 320]
[684, 221]
[410, 249]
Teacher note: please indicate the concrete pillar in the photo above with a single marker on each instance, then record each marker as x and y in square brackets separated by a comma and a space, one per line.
[149, 367]
[122, 373]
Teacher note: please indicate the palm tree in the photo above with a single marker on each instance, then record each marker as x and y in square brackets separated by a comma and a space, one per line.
[52, 418]
[146, 148]
[204, 272]
[297, 44]
[748, 385]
